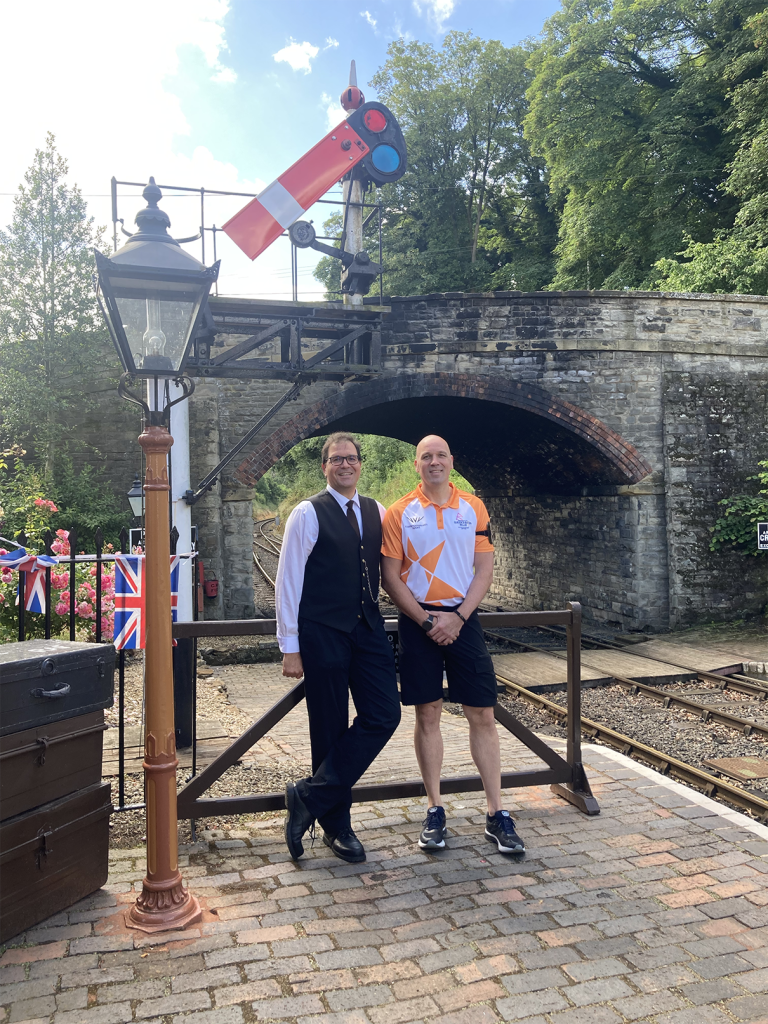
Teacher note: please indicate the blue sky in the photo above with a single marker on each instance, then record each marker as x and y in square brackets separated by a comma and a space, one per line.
[220, 93]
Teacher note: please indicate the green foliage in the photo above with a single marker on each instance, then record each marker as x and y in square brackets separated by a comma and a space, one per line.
[51, 333]
[32, 504]
[471, 211]
[388, 473]
[630, 110]
[25, 506]
[625, 148]
[87, 503]
[737, 259]
[737, 528]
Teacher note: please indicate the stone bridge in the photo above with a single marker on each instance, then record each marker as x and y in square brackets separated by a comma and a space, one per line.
[600, 428]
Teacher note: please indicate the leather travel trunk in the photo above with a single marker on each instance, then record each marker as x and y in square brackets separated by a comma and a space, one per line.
[52, 857]
[45, 681]
[42, 764]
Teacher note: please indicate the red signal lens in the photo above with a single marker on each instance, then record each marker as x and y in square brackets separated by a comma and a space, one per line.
[375, 121]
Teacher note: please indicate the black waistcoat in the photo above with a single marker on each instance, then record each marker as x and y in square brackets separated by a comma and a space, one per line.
[336, 589]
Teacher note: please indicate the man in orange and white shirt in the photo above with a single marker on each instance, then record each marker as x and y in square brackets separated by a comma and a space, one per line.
[437, 567]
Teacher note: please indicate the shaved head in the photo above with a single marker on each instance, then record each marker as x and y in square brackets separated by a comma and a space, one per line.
[430, 440]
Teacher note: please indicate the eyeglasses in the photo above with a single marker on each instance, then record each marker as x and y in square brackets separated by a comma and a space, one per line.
[337, 460]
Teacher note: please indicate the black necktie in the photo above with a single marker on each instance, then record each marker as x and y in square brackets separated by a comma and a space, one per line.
[353, 518]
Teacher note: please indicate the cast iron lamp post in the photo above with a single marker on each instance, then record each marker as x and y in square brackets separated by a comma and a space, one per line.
[152, 293]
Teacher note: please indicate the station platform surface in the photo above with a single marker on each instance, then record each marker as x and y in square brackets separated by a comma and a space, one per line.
[656, 910]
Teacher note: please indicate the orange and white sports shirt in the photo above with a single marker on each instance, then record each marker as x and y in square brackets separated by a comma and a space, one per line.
[436, 544]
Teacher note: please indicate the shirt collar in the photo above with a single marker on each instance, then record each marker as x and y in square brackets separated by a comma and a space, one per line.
[341, 499]
[453, 499]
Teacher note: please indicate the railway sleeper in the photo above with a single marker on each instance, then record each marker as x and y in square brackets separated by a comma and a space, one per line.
[690, 775]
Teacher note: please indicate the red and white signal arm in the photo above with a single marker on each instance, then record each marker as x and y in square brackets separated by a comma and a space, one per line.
[370, 137]
[762, 536]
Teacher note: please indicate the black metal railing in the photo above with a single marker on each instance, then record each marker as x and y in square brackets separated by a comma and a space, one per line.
[101, 559]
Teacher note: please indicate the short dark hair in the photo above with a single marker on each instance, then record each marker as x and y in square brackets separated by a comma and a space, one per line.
[337, 438]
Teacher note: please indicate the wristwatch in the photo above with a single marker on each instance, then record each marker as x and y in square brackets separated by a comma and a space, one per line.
[428, 623]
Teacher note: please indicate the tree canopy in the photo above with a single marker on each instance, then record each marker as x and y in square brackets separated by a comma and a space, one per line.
[626, 147]
[51, 333]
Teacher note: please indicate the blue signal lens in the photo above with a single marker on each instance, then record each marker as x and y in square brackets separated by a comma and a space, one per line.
[385, 159]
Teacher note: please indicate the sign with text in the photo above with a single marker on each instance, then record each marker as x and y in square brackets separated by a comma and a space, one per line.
[762, 536]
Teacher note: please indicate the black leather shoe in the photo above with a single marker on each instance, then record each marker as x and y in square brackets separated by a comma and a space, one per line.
[297, 820]
[345, 845]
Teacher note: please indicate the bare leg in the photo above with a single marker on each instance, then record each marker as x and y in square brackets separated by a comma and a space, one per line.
[484, 747]
[428, 742]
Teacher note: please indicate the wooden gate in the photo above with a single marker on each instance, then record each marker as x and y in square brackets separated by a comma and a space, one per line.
[566, 776]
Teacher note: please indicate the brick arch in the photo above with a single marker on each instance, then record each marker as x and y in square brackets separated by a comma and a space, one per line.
[501, 431]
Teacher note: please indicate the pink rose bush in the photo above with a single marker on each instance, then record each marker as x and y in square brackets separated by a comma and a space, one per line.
[85, 595]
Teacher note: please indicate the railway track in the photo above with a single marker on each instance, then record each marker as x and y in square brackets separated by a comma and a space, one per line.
[708, 714]
[266, 552]
[665, 763]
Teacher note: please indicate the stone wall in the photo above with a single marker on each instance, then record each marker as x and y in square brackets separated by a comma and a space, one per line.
[607, 552]
[680, 379]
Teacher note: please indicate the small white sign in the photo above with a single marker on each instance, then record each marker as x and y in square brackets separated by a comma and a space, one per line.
[762, 536]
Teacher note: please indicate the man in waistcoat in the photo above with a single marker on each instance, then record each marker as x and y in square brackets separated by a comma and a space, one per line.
[330, 630]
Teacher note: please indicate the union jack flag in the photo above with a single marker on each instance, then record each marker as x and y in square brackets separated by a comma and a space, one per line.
[34, 593]
[34, 566]
[175, 562]
[130, 604]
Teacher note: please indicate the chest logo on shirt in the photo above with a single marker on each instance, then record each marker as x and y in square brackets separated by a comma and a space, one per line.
[461, 522]
[416, 520]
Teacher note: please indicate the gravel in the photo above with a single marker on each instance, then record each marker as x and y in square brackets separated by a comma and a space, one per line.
[672, 731]
[128, 828]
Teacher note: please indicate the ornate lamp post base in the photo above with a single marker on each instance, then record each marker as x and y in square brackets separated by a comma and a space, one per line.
[162, 909]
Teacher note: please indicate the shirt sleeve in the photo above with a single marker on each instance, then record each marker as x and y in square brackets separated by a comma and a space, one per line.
[483, 532]
[300, 537]
[382, 510]
[392, 533]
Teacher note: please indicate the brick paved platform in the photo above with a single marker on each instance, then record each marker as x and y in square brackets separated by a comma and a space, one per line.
[657, 910]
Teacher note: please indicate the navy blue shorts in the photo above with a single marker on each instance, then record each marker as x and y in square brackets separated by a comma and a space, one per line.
[466, 662]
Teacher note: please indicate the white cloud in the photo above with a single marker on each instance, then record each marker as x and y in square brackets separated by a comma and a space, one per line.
[369, 18]
[334, 111]
[437, 12]
[225, 75]
[129, 124]
[331, 43]
[298, 55]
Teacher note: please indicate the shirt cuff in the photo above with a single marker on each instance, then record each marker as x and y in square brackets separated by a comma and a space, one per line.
[289, 645]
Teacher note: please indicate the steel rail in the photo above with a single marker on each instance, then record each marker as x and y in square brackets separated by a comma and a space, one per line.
[706, 712]
[263, 571]
[665, 763]
[269, 544]
[264, 547]
[738, 682]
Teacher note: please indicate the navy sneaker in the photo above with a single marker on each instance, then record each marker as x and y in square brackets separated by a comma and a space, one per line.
[500, 829]
[434, 831]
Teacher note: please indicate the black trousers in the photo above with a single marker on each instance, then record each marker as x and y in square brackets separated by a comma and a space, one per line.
[336, 664]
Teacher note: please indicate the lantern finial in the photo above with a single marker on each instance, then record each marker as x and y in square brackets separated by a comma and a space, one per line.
[152, 220]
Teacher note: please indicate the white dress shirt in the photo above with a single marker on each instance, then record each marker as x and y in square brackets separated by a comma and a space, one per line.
[299, 538]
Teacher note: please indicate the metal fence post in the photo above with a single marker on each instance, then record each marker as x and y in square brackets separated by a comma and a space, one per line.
[72, 582]
[48, 540]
